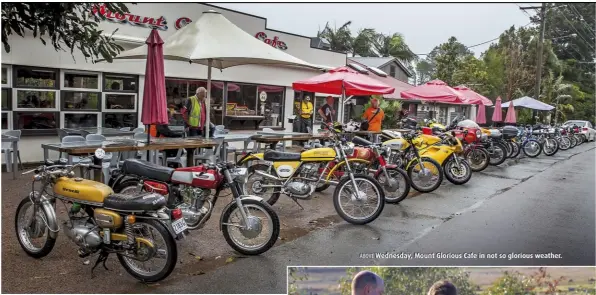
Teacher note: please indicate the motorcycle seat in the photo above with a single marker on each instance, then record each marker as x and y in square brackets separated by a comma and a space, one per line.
[280, 156]
[147, 169]
[357, 140]
[146, 201]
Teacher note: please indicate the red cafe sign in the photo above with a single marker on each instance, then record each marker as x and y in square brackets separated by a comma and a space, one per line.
[275, 42]
[128, 18]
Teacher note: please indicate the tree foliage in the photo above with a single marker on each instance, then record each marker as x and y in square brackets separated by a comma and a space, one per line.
[68, 26]
[447, 58]
[412, 280]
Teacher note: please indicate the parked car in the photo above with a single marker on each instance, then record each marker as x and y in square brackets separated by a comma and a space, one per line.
[585, 128]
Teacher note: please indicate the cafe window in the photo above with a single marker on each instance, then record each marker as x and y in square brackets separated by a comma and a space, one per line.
[29, 77]
[36, 121]
[392, 71]
[119, 120]
[119, 102]
[80, 101]
[30, 99]
[6, 99]
[176, 95]
[6, 121]
[271, 105]
[86, 81]
[120, 83]
[242, 100]
[6, 76]
[79, 120]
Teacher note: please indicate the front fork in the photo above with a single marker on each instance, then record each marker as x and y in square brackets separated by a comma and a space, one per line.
[349, 170]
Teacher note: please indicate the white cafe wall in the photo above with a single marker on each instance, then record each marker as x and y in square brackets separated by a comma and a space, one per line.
[30, 51]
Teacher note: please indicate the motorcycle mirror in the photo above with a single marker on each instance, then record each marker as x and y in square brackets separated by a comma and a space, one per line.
[63, 161]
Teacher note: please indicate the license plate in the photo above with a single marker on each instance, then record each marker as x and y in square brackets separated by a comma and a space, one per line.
[179, 225]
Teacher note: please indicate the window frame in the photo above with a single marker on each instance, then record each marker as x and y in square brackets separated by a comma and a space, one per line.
[392, 71]
[37, 132]
[73, 89]
[103, 117]
[99, 103]
[9, 100]
[9, 119]
[8, 76]
[106, 110]
[15, 107]
[282, 107]
[103, 83]
[15, 71]
[63, 115]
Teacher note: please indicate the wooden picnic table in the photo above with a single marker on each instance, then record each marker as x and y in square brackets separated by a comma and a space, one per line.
[15, 153]
[273, 140]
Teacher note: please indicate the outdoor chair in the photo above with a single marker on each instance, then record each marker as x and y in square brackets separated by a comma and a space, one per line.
[7, 150]
[109, 157]
[76, 159]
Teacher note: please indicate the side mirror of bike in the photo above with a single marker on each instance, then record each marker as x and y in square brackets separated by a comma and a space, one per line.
[62, 161]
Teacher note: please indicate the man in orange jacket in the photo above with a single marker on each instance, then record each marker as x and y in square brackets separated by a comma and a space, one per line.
[374, 115]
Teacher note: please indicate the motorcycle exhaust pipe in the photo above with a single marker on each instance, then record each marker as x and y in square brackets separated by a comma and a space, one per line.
[259, 172]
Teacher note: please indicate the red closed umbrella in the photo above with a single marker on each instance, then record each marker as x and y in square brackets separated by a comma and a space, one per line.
[343, 78]
[155, 109]
[435, 91]
[497, 114]
[510, 117]
[481, 116]
[472, 96]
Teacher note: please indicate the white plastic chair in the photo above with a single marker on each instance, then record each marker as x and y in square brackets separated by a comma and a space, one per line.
[7, 150]
[139, 130]
[108, 158]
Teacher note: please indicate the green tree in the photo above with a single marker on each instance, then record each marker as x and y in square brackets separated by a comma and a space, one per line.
[340, 39]
[295, 275]
[393, 45]
[424, 71]
[413, 280]
[557, 93]
[447, 58]
[66, 25]
[472, 72]
[362, 44]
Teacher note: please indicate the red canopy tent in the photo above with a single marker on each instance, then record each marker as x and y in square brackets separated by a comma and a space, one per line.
[472, 97]
[343, 80]
[435, 91]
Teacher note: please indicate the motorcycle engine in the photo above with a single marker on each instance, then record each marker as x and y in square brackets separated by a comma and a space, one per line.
[193, 204]
[83, 234]
[299, 188]
[303, 186]
[308, 170]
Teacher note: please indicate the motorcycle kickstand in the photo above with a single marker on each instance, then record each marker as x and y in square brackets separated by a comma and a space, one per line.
[103, 257]
[296, 201]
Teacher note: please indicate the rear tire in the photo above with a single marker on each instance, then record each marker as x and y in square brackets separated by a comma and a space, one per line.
[394, 199]
[378, 191]
[248, 189]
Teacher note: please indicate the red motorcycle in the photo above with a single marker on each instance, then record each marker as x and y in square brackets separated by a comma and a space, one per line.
[250, 232]
[370, 158]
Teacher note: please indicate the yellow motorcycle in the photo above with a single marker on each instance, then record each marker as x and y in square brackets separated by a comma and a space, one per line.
[434, 125]
[137, 228]
[297, 175]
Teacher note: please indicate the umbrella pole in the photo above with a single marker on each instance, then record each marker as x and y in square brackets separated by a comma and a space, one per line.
[148, 140]
[341, 104]
[207, 127]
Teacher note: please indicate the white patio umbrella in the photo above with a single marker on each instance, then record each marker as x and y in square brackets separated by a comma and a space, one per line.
[214, 41]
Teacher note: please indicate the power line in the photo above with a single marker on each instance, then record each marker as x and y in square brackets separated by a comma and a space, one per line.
[582, 18]
[472, 46]
[577, 31]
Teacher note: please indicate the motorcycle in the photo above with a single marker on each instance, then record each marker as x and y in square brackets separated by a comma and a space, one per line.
[189, 189]
[295, 175]
[472, 139]
[497, 150]
[137, 228]
[530, 146]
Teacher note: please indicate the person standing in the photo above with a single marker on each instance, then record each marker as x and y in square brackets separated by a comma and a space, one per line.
[442, 288]
[367, 283]
[195, 113]
[326, 111]
[374, 115]
[306, 111]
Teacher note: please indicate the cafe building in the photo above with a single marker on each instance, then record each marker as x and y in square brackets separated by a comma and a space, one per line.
[44, 89]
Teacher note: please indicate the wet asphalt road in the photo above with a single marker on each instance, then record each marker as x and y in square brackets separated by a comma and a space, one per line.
[539, 205]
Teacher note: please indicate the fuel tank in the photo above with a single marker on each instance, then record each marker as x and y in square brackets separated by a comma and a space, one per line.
[361, 153]
[397, 144]
[318, 155]
[82, 189]
[425, 140]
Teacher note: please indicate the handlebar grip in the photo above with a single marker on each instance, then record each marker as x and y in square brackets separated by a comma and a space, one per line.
[98, 167]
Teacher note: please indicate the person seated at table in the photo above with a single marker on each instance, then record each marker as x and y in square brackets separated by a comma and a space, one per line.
[164, 131]
[374, 115]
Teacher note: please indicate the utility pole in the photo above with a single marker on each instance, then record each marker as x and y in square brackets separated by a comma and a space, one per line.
[542, 16]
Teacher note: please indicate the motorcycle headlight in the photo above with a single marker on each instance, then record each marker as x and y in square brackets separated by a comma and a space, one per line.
[239, 174]
[348, 148]
[478, 133]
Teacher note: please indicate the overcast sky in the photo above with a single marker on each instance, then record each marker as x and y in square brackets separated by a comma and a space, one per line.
[424, 26]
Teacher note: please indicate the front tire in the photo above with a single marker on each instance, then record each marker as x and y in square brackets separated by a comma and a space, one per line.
[537, 148]
[436, 167]
[498, 153]
[553, 149]
[38, 229]
[271, 215]
[171, 251]
[345, 184]
[464, 171]
[478, 158]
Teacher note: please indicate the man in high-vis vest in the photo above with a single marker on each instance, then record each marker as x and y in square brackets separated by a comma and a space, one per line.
[195, 113]
[305, 110]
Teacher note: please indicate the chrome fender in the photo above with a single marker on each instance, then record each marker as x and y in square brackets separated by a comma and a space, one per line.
[48, 209]
[242, 197]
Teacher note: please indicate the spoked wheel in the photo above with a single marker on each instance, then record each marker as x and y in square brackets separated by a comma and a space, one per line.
[573, 141]
[478, 158]
[398, 186]
[33, 235]
[583, 137]
[259, 185]
[457, 174]
[427, 178]
[154, 260]
[359, 205]
[564, 143]
[550, 147]
[532, 148]
[515, 150]
[256, 237]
